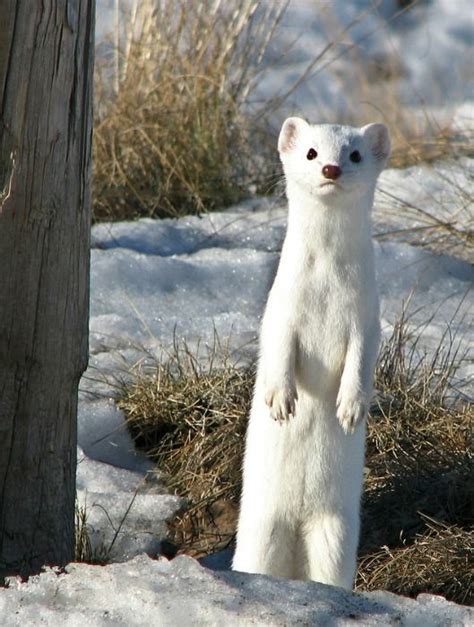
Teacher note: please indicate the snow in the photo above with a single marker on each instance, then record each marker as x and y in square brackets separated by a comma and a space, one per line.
[102, 477]
[121, 525]
[198, 276]
[421, 195]
[103, 436]
[181, 593]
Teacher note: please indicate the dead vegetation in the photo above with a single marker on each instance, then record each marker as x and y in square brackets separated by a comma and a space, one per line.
[439, 560]
[418, 506]
[419, 134]
[177, 126]
[172, 137]
[428, 143]
[442, 220]
[417, 533]
[84, 551]
[191, 420]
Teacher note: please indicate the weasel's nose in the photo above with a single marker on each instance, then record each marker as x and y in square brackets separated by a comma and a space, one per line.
[332, 172]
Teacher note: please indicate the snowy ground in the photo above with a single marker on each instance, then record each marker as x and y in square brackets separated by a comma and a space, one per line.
[181, 593]
[193, 277]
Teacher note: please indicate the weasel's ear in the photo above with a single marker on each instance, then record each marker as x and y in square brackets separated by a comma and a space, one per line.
[379, 140]
[291, 129]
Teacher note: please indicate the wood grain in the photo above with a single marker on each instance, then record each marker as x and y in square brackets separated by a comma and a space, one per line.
[46, 64]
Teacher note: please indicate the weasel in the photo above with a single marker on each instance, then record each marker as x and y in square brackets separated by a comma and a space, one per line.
[305, 443]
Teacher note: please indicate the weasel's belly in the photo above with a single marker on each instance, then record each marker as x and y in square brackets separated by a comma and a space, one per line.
[304, 464]
[322, 339]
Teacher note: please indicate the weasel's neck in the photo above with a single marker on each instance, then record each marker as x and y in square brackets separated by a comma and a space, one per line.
[325, 227]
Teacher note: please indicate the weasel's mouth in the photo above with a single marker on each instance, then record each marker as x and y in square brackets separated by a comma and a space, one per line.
[329, 184]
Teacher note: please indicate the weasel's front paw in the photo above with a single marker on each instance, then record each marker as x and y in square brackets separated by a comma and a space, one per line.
[351, 409]
[282, 402]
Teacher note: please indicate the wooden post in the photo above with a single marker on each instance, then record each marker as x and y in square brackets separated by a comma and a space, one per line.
[46, 65]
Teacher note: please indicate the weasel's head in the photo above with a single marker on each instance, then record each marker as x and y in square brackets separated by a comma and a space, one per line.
[331, 161]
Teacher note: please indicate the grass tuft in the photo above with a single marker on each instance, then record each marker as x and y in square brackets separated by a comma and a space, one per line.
[191, 420]
[84, 551]
[439, 560]
[418, 504]
[173, 137]
[83, 548]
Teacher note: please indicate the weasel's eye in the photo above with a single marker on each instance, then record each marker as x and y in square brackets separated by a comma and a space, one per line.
[355, 156]
[312, 154]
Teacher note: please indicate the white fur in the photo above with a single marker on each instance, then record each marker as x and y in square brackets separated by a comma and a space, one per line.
[304, 457]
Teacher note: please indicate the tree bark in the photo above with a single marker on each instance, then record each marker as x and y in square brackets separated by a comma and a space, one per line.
[46, 64]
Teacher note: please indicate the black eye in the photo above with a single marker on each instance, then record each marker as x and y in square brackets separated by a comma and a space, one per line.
[312, 154]
[355, 156]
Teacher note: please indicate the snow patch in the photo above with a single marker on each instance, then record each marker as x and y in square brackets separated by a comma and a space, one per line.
[181, 592]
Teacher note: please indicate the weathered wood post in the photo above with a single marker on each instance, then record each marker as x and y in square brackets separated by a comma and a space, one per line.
[46, 65]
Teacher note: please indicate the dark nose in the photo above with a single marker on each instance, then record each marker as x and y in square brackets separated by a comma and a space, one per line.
[332, 172]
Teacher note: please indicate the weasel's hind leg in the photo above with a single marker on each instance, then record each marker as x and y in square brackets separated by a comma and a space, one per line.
[331, 541]
[266, 547]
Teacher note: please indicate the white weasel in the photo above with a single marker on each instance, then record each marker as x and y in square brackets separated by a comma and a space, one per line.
[304, 456]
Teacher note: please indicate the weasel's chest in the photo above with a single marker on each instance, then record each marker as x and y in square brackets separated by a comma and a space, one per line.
[326, 307]
[328, 297]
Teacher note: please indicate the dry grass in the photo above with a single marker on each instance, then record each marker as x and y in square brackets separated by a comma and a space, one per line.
[429, 143]
[419, 134]
[175, 132]
[84, 551]
[439, 560]
[418, 504]
[191, 420]
[444, 219]
[417, 532]
[173, 138]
